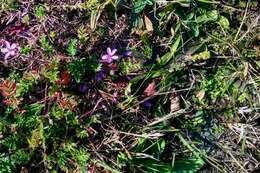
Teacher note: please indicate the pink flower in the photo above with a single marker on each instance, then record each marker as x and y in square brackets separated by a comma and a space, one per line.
[110, 56]
[10, 50]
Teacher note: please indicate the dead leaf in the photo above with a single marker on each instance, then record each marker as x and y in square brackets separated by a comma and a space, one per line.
[245, 71]
[200, 95]
[150, 90]
[148, 24]
[175, 101]
[24, 170]
[230, 125]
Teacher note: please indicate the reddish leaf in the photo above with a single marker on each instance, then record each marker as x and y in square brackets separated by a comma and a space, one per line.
[150, 90]
[7, 88]
[16, 29]
[7, 102]
[64, 103]
[65, 78]
[67, 104]
[114, 67]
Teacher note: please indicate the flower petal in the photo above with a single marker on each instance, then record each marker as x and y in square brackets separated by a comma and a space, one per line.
[128, 53]
[114, 51]
[114, 57]
[104, 57]
[7, 55]
[7, 44]
[13, 46]
[4, 50]
[109, 52]
[12, 53]
[107, 59]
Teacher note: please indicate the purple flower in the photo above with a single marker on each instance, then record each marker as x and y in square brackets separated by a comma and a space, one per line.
[128, 53]
[129, 77]
[147, 104]
[110, 56]
[83, 88]
[10, 50]
[100, 75]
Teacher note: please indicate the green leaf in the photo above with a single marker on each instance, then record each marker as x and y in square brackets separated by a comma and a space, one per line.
[153, 166]
[201, 56]
[195, 30]
[191, 164]
[26, 50]
[139, 5]
[95, 14]
[37, 138]
[136, 21]
[209, 16]
[21, 157]
[161, 145]
[40, 12]
[212, 15]
[72, 47]
[51, 72]
[168, 56]
[46, 45]
[81, 156]
[188, 165]
[85, 66]
[224, 22]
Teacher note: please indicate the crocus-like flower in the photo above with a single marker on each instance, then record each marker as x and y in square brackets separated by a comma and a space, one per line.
[128, 53]
[110, 56]
[147, 104]
[10, 50]
[100, 75]
[83, 87]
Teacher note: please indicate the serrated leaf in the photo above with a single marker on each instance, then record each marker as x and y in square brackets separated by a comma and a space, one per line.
[7, 88]
[213, 15]
[37, 137]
